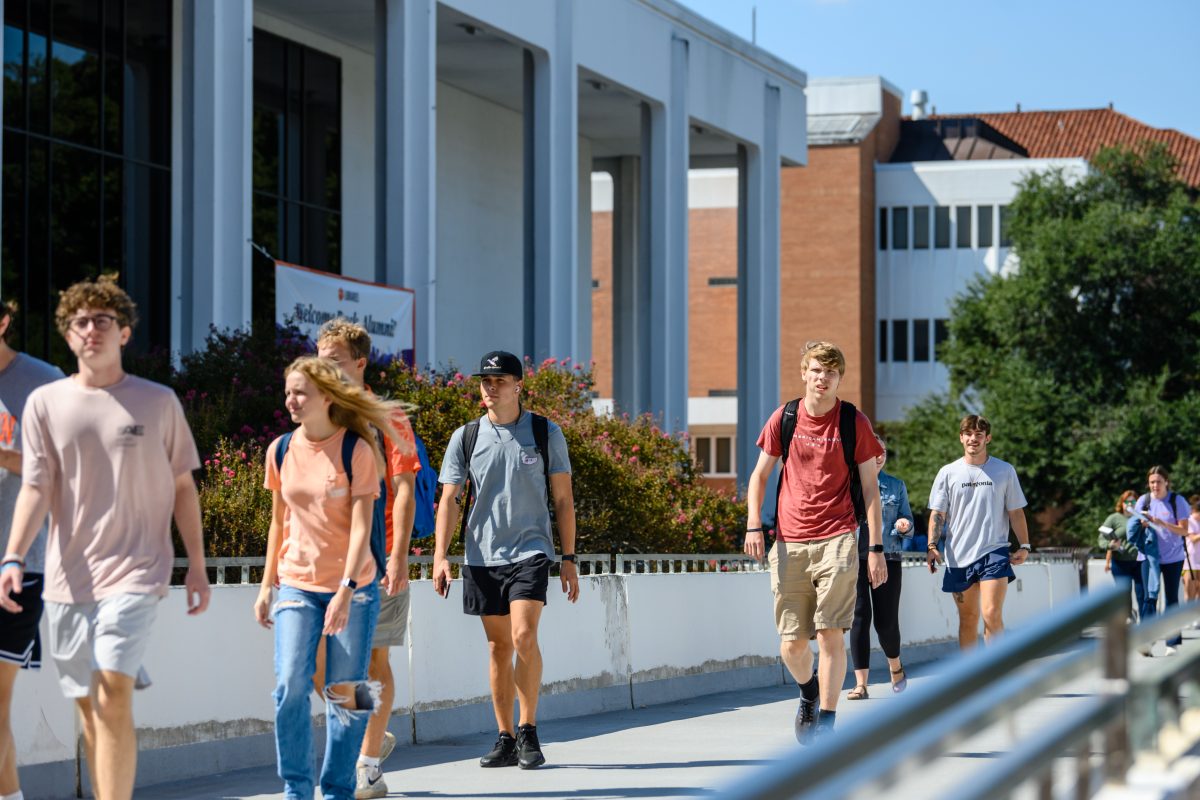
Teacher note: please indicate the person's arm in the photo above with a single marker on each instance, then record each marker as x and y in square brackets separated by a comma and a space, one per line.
[904, 521]
[1016, 518]
[755, 546]
[191, 532]
[1172, 527]
[262, 606]
[564, 514]
[337, 613]
[28, 515]
[10, 460]
[937, 529]
[443, 534]
[876, 566]
[404, 509]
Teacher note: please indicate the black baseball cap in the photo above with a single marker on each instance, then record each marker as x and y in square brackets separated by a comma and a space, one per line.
[498, 362]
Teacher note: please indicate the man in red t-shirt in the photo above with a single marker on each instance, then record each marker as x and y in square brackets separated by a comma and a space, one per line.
[348, 345]
[814, 563]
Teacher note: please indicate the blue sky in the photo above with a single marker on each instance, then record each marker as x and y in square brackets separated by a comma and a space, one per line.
[988, 56]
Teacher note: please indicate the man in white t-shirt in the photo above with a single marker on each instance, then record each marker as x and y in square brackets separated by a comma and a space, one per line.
[972, 504]
[110, 457]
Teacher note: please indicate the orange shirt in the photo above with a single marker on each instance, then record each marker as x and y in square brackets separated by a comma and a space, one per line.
[317, 499]
[401, 457]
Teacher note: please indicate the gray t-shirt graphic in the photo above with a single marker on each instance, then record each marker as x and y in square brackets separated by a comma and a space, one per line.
[976, 500]
[17, 382]
[509, 519]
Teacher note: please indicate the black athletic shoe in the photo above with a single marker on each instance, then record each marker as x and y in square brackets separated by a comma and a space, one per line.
[806, 719]
[529, 752]
[504, 754]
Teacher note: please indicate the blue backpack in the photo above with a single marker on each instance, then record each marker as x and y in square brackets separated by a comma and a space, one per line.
[426, 494]
[379, 511]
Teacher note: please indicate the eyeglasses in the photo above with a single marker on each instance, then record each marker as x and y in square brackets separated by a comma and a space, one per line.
[101, 322]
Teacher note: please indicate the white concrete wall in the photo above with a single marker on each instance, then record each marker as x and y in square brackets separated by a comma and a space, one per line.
[921, 284]
[213, 674]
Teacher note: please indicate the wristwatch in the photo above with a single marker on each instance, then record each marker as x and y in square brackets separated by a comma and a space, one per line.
[1026, 547]
[350, 583]
[568, 557]
[875, 548]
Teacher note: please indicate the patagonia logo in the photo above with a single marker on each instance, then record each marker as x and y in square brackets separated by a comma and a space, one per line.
[528, 459]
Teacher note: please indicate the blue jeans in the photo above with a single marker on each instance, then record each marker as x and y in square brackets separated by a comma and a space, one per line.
[1131, 571]
[1171, 574]
[299, 619]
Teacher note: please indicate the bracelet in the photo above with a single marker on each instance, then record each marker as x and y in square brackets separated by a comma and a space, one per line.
[13, 558]
[12, 562]
[754, 530]
[931, 547]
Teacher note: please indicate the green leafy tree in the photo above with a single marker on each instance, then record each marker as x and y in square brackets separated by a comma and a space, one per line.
[1086, 358]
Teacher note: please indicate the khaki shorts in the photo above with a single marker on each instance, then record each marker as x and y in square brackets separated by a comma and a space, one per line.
[815, 585]
[393, 620]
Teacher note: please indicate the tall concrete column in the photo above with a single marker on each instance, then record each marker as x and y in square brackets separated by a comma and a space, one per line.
[665, 233]
[218, 74]
[406, 158]
[758, 286]
[552, 192]
[630, 287]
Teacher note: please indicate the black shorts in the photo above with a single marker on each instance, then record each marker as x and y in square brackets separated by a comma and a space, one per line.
[19, 640]
[487, 591]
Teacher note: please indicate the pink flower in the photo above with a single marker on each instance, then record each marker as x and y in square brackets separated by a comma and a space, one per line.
[580, 366]
[417, 551]
[637, 448]
[458, 376]
[633, 460]
[228, 482]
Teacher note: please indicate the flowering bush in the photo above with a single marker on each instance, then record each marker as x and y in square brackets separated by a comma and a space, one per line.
[236, 509]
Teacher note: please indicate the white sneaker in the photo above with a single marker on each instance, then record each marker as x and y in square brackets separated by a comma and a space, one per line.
[389, 744]
[1168, 650]
[369, 783]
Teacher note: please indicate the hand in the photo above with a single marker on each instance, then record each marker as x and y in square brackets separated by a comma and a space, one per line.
[569, 576]
[876, 569]
[198, 590]
[754, 545]
[262, 608]
[1018, 558]
[337, 613]
[10, 459]
[396, 579]
[441, 576]
[903, 525]
[932, 559]
[1108, 566]
[10, 584]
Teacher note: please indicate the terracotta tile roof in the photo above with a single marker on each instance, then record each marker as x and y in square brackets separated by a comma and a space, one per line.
[1081, 133]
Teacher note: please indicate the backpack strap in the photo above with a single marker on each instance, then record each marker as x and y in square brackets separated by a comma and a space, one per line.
[541, 438]
[848, 430]
[787, 429]
[378, 534]
[348, 442]
[469, 437]
[281, 449]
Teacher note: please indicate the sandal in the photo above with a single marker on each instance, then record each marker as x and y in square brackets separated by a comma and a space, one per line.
[902, 684]
[858, 693]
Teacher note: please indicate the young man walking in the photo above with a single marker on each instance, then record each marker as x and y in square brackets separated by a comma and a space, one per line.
[20, 644]
[973, 502]
[348, 345]
[814, 563]
[511, 459]
[110, 457]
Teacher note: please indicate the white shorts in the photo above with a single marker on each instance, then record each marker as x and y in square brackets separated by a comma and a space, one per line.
[109, 635]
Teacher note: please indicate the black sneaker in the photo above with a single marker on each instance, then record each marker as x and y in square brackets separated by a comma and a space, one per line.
[504, 754]
[529, 752]
[806, 719]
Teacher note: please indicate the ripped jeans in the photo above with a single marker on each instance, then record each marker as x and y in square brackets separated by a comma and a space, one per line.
[299, 619]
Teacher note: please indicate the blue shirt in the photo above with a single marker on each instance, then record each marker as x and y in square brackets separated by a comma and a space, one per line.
[893, 500]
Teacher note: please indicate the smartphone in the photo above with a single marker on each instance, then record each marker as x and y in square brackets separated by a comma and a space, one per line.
[1105, 529]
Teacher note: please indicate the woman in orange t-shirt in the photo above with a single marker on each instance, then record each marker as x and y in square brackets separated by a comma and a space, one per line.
[318, 552]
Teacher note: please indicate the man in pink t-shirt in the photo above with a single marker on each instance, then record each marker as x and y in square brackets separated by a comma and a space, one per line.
[814, 563]
[110, 457]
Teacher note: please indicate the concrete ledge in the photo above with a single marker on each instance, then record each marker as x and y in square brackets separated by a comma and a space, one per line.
[683, 687]
[48, 781]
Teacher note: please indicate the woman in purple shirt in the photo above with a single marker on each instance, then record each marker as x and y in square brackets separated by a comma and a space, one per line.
[1168, 513]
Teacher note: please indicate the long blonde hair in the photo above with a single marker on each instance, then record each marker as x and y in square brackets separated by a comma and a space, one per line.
[351, 406]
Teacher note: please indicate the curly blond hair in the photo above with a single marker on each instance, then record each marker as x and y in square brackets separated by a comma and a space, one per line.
[827, 354]
[103, 292]
[340, 330]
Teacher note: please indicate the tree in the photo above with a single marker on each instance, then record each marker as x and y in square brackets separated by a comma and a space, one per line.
[1086, 358]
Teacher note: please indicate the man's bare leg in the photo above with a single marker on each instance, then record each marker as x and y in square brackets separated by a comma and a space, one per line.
[525, 615]
[967, 604]
[379, 669]
[992, 595]
[798, 658]
[87, 721]
[8, 748]
[500, 670]
[115, 762]
[831, 669]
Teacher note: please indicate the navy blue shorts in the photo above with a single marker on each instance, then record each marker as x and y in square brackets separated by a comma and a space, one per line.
[992, 567]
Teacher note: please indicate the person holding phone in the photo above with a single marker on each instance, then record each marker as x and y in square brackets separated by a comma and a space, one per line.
[507, 536]
[1120, 554]
[1167, 513]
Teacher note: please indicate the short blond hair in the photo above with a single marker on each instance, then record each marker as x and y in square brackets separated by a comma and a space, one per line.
[827, 354]
[103, 292]
[340, 330]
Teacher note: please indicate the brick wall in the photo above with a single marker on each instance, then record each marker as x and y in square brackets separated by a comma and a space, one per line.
[602, 301]
[712, 310]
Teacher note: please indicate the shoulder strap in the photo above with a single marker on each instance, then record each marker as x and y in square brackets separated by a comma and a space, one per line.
[848, 430]
[281, 449]
[470, 435]
[787, 429]
[348, 443]
[541, 438]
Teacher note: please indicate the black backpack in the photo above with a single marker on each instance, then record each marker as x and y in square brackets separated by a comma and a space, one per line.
[848, 430]
[541, 438]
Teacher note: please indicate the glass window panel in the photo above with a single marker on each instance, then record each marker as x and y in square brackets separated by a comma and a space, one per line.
[75, 214]
[900, 228]
[320, 233]
[941, 227]
[941, 332]
[962, 224]
[883, 229]
[114, 69]
[14, 71]
[920, 340]
[703, 456]
[724, 455]
[12, 221]
[266, 219]
[985, 226]
[146, 77]
[899, 340]
[37, 294]
[293, 152]
[269, 107]
[1005, 238]
[38, 85]
[75, 72]
[322, 128]
[145, 249]
[921, 228]
[883, 341]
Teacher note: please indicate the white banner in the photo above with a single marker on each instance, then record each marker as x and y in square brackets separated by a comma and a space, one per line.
[308, 298]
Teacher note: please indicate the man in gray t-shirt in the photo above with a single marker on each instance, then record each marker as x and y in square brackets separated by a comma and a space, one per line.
[20, 644]
[508, 543]
[972, 503]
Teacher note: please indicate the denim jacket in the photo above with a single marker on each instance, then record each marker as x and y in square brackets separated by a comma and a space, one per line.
[893, 497]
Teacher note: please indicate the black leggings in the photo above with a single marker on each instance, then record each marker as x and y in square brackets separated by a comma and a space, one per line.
[885, 602]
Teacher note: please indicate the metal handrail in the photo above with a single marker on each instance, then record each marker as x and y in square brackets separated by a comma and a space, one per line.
[964, 693]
